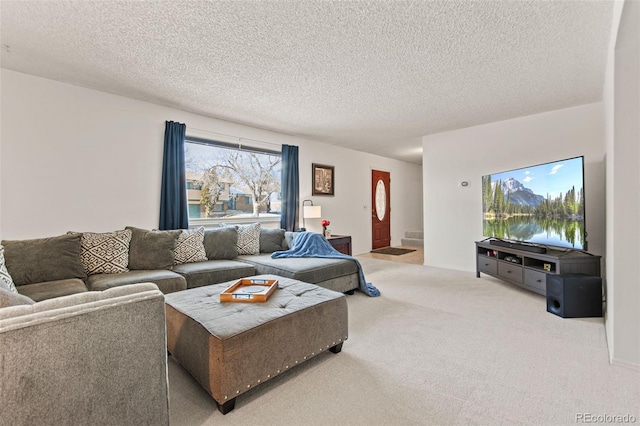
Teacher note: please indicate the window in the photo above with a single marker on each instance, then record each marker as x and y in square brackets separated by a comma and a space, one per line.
[231, 182]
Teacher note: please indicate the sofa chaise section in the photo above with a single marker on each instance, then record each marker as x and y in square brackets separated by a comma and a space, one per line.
[335, 274]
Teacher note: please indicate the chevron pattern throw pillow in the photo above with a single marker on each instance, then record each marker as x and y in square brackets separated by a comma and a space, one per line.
[190, 246]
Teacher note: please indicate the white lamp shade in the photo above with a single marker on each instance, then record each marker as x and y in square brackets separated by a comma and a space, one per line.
[312, 212]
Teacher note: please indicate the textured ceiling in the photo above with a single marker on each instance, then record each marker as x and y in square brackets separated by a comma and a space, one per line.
[373, 76]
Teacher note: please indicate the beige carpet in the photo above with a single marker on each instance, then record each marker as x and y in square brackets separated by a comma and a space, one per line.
[438, 347]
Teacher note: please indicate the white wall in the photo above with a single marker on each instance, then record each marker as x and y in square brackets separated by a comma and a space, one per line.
[453, 215]
[608, 117]
[621, 112]
[84, 160]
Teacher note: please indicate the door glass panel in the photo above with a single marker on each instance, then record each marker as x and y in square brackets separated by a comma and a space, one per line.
[381, 200]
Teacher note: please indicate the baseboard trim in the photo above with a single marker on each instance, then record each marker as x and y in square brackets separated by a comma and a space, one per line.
[625, 364]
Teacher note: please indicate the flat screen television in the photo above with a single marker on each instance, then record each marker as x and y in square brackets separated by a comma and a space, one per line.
[542, 204]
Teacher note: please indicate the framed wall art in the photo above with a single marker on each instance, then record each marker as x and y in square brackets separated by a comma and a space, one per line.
[323, 179]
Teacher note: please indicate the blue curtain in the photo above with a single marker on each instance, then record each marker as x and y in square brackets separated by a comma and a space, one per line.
[173, 193]
[290, 187]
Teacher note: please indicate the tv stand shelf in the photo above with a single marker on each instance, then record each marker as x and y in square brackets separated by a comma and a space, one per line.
[530, 270]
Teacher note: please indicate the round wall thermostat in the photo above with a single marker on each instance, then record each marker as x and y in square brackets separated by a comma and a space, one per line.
[464, 183]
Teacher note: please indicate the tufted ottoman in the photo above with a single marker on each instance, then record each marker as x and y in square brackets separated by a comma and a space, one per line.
[232, 347]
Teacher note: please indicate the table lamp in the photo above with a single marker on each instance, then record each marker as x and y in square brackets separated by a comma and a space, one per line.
[309, 212]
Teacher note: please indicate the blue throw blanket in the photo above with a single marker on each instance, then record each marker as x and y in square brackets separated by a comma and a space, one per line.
[309, 244]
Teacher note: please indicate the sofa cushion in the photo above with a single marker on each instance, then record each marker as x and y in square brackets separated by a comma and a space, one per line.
[308, 269]
[221, 243]
[271, 239]
[12, 298]
[248, 238]
[167, 281]
[44, 259]
[105, 253]
[51, 289]
[6, 282]
[190, 246]
[213, 272]
[152, 249]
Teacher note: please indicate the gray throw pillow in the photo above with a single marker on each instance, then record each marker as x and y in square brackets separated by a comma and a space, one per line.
[290, 238]
[271, 239]
[10, 298]
[44, 259]
[220, 243]
[150, 250]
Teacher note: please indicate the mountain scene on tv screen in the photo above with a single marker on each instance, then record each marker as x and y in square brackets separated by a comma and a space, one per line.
[542, 204]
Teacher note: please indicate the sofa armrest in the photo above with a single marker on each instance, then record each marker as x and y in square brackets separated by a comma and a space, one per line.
[90, 358]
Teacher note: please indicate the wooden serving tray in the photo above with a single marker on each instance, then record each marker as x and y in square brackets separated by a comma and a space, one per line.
[249, 290]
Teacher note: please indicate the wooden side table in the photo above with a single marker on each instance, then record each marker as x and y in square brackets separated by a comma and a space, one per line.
[342, 243]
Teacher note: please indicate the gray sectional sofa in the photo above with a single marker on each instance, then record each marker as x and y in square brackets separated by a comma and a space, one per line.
[76, 262]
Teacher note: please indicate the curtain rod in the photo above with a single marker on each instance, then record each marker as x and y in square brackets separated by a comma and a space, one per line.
[234, 137]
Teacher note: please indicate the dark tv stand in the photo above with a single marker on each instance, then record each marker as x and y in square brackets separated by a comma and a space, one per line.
[529, 270]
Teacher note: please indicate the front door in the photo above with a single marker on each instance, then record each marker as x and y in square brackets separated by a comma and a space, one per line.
[380, 209]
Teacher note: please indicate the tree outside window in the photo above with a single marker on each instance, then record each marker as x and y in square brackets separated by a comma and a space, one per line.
[224, 182]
